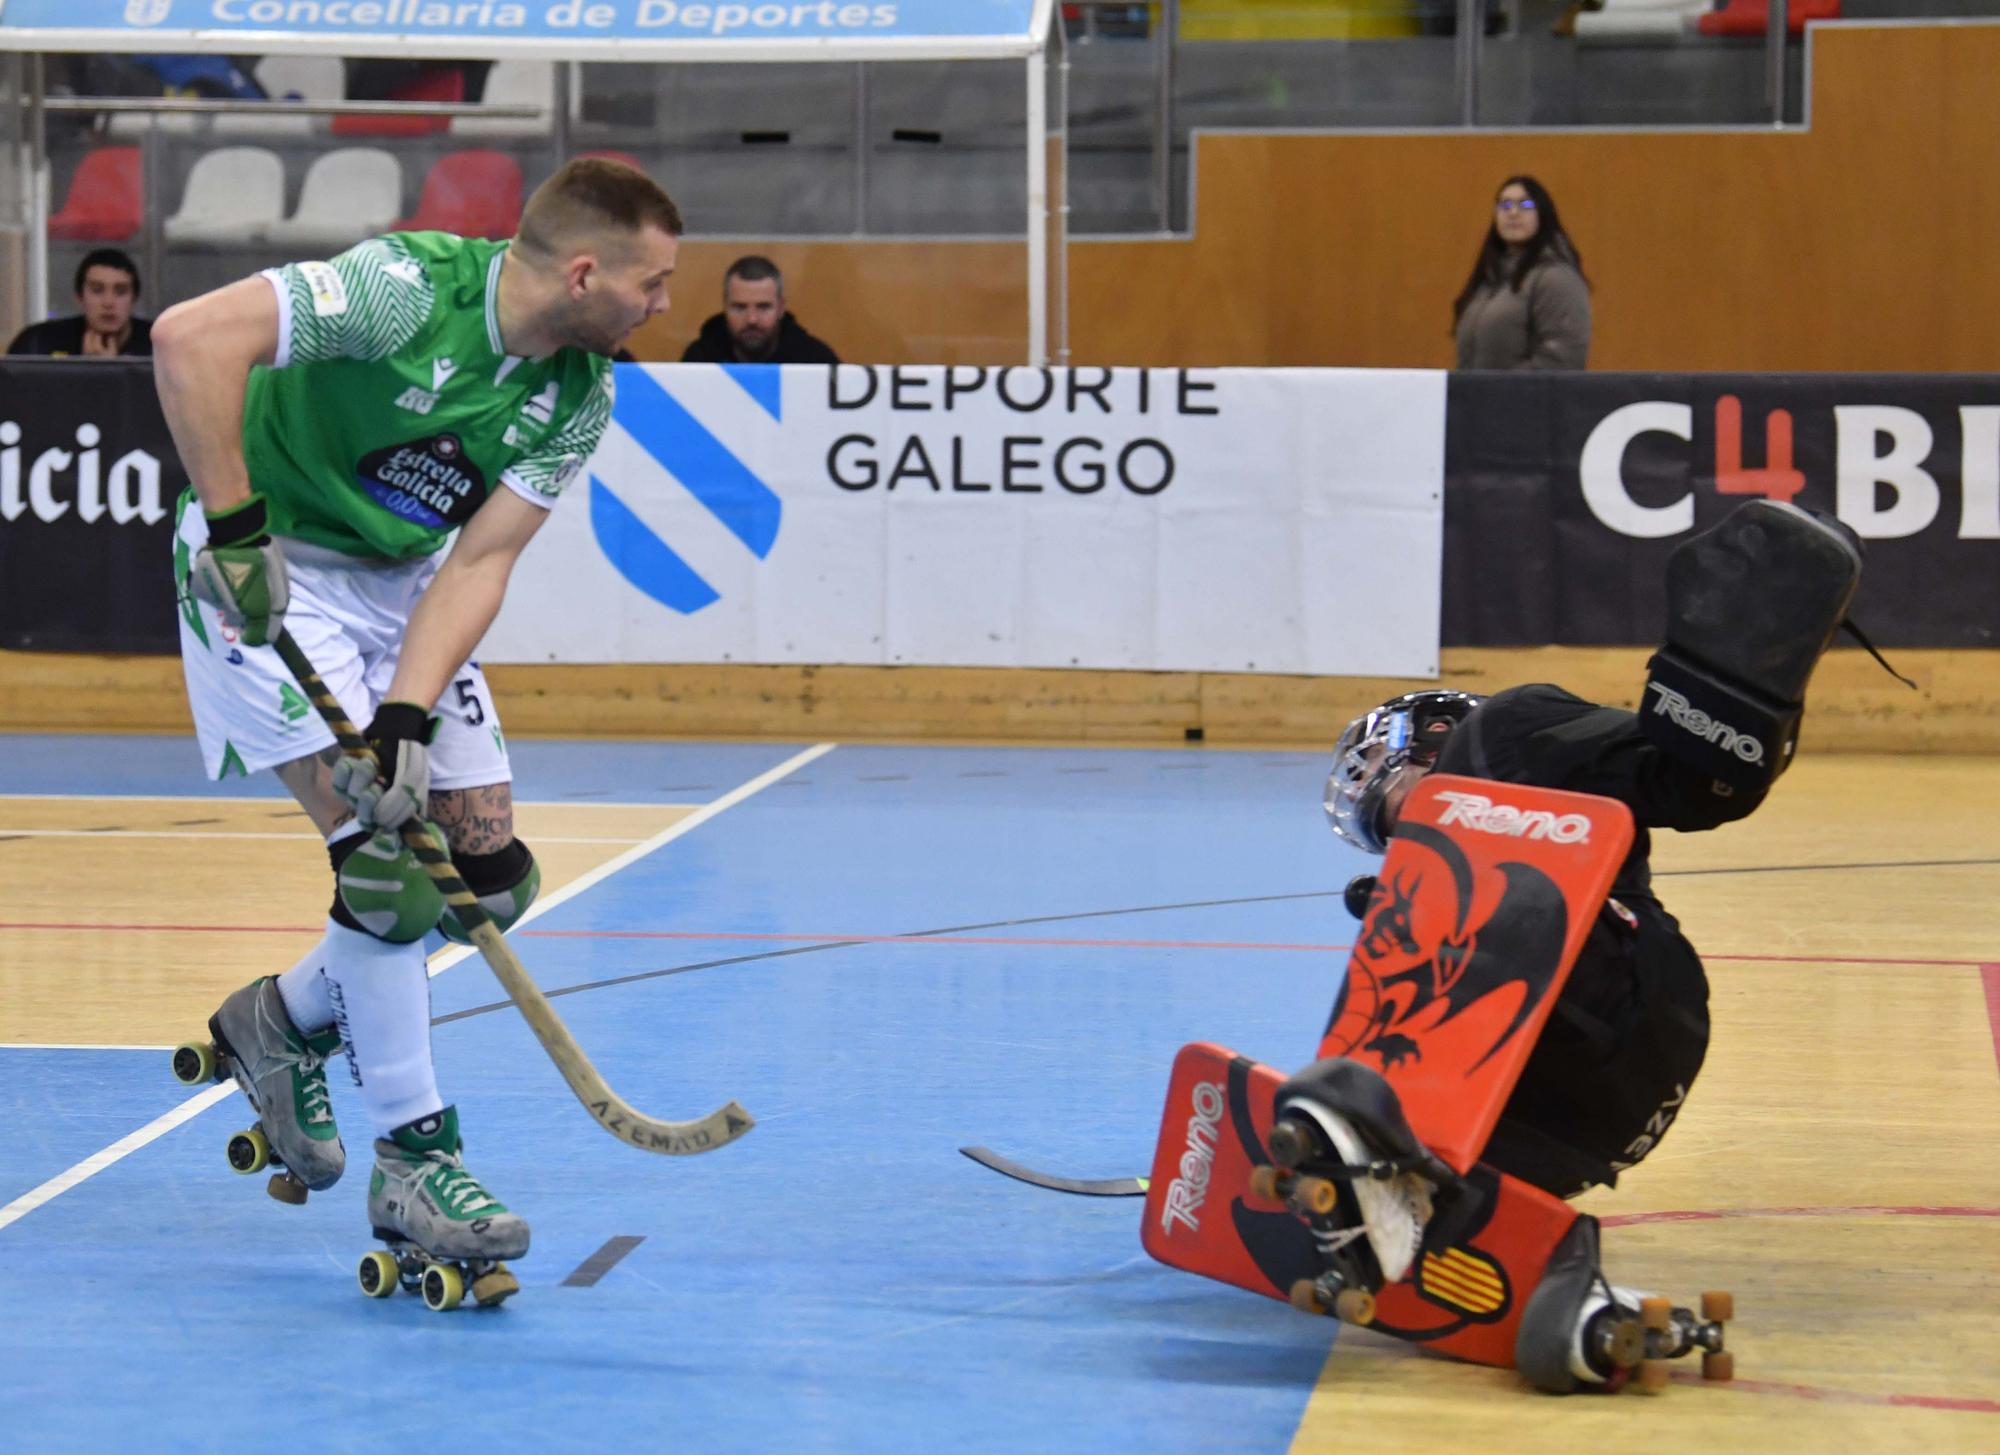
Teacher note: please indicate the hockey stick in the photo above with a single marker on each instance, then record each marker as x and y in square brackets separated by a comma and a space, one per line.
[613, 1113]
[1082, 1187]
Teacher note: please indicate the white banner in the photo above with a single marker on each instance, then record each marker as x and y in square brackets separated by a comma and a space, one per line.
[1234, 520]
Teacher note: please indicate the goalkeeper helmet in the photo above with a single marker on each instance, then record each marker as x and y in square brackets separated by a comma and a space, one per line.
[1381, 749]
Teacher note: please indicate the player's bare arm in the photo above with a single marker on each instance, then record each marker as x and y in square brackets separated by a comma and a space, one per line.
[203, 351]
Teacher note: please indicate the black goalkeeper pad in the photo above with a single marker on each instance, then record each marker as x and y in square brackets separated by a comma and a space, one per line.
[1751, 605]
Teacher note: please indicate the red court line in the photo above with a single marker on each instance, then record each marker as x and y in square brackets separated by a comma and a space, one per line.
[923, 940]
[1712, 1215]
[1989, 975]
[1847, 1396]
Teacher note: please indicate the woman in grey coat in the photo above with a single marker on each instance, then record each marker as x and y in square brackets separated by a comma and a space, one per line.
[1527, 303]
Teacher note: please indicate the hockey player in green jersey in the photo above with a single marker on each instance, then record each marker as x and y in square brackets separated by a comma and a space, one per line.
[340, 422]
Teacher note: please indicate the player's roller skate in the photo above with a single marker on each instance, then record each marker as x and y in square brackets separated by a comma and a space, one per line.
[283, 1073]
[446, 1234]
[1581, 1332]
[1344, 1159]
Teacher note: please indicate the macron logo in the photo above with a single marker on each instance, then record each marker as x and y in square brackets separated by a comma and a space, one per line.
[404, 270]
[441, 372]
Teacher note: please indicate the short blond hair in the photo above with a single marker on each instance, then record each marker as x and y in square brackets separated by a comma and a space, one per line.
[592, 195]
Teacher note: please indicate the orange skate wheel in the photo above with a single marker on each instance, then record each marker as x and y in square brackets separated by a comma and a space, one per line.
[1305, 1297]
[1718, 1307]
[1288, 1143]
[1315, 1195]
[1627, 1345]
[1652, 1376]
[1354, 1306]
[286, 1188]
[1267, 1182]
[1656, 1313]
[1719, 1365]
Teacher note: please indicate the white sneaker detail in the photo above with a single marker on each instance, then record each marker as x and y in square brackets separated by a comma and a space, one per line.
[1393, 1212]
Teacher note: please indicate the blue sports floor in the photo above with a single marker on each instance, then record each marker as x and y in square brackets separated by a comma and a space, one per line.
[841, 1279]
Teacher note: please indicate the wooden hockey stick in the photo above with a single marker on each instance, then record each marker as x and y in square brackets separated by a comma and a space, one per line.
[613, 1113]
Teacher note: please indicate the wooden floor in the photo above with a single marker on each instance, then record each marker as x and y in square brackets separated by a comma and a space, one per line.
[1837, 1168]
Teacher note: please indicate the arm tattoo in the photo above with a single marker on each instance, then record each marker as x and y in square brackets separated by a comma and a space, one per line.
[475, 820]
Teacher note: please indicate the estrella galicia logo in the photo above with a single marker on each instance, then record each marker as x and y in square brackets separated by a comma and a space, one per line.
[704, 466]
[146, 12]
[426, 482]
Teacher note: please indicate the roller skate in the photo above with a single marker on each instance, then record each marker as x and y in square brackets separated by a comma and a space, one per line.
[283, 1073]
[1580, 1332]
[1344, 1159]
[445, 1233]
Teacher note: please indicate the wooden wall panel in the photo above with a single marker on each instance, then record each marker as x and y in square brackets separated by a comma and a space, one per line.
[875, 302]
[1854, 245]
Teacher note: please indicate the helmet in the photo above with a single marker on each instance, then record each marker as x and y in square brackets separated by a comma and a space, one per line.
[1398, 740]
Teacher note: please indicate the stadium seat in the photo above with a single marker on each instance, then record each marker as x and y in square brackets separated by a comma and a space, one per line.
[514, 83]
[1632, 20]
[348, 194]
[1752, 17]
[445, 85]
[309, 78]
[233, 196]
[473, 193]
[106, 200]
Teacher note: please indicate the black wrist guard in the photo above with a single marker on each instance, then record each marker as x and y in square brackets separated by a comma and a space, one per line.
[247, 524]
[402, 722]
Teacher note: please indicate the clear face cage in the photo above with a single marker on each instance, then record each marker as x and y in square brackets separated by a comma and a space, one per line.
[1376, 752]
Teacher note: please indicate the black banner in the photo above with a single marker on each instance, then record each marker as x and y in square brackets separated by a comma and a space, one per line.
[1564, 494]
[88, 480]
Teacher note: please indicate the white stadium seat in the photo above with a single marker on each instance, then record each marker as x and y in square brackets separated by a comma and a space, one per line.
[349, 194]
[1641, 20]
[514, 83]
[233, 195]
[310, 78]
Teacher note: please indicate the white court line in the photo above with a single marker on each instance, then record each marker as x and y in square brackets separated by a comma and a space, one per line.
[198, 800]
[59, 1046]
[62, 1182]
[311, 836]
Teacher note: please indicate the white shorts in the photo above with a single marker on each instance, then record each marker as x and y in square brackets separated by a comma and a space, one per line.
[348, 618]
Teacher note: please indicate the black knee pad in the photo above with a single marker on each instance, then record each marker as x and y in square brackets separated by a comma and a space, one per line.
[505, 882]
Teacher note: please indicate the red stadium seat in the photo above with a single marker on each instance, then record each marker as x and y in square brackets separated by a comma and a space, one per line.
[1753, 17]
[107, 198]
[472, 193]
[444, 85]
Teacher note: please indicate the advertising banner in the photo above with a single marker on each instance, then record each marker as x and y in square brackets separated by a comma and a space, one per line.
[119, 22]
[1191, 519]
[1566, 492]
[88, 480]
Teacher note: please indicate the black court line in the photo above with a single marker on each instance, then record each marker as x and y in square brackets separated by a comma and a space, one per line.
[1046, 919]
[986, 773]
[1083, 770]
[1822, 868]
[685, 788]
[601, 1262]
[188, 823]
[816, 949]
[885, 778]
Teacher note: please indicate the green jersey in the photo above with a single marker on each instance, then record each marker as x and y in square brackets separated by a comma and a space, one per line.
[393, 409]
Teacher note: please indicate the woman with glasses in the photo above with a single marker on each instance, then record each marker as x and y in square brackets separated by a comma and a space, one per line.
[1527, 303]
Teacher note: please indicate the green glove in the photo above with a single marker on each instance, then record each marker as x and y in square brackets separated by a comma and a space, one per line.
[241, 573]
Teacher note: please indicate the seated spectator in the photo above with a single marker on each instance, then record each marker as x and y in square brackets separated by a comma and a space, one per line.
[753, 327]
[107, 289]
[1527, 303]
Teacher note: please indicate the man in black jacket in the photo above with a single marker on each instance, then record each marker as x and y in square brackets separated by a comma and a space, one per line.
[753, 327]
[107, 289]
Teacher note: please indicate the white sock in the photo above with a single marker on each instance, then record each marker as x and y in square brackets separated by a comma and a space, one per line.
[303, 987]
[381, 997]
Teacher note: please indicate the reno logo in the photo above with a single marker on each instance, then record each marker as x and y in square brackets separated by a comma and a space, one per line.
[1482, 815]
[1689, 718]
[653, 432]
[1187, 1192]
